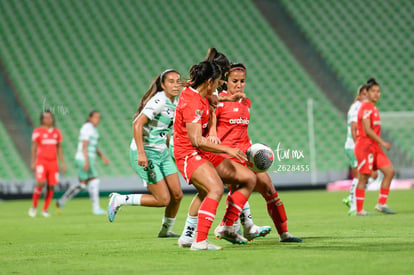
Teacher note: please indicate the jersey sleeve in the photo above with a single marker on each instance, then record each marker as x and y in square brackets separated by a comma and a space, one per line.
[153, 107]
[86, 131]
[36, 136]
[366, 111]
[193, 112]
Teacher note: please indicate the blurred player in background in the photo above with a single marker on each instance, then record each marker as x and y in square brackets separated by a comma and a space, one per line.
[85, 163]
[352, 128]
[246, 218]
[197, 160]
[149, 155]
[46, 150]
[231, 129]
[369, 153]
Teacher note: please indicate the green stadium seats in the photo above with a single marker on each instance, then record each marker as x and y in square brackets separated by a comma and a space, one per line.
[102, 55]
[361, 39]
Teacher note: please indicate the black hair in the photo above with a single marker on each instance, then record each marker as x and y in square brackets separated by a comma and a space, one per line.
[42, 116]
[154, 88]
[91, 113]
[202, 72]
[219, 58]
[371, 82]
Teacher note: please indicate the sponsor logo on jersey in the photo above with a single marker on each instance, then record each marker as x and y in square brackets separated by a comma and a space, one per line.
[243, 121]
[49, 141]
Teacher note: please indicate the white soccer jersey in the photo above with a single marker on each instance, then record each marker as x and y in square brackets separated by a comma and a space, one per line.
[352, 117]
[90, 133]
[160, 112]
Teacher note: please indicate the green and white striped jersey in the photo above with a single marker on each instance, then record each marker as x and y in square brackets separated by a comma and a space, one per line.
[352, 117]
[90, 133]
[160, 112]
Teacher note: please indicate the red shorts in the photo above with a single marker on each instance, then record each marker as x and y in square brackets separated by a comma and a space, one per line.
[47, 171]
[244, 163]
[191, 162]
[370, 158]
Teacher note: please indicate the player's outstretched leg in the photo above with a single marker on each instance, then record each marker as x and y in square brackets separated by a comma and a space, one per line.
[275, 207]
[71, 192]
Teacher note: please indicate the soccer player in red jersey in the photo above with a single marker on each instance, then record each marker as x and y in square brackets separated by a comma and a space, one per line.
[46, 150]
[197, 160]
[369, 153]
[231, 128]
[246, 220]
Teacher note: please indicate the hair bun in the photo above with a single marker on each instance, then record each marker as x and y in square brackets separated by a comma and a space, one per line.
[371, 81]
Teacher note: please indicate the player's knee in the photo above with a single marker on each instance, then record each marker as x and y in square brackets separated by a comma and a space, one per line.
[216, 192]
[390, 173]
[163, 200]
[250, 180]
[177, 196]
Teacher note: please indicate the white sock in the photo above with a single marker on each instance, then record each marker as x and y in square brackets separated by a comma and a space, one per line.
[190, 227]
[93, 188]
[131, 199]
[167, 225]
[246, 217]
[352, 194]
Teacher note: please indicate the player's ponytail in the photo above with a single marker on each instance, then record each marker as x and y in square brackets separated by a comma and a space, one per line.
[154, 88]
[371, 82]
[221, 60]
[202, 72]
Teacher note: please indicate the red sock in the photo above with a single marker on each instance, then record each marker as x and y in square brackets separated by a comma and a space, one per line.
[206, 215]
[48, 198]
[277, 212]
[236, 204]
[360, 197]
[383, 196]
[37, 193]
[227, 206]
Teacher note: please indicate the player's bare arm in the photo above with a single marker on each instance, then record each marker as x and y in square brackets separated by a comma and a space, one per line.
[197, 140]
[61, 158]
[366, 124]
[138, 125]
[33, 155]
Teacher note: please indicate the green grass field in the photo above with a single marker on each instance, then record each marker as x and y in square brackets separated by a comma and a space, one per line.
[78, 242]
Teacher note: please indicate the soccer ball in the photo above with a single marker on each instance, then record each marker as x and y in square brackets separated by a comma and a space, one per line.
[260, 157]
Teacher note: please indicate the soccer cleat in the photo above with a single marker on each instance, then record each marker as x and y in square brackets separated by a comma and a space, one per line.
[351, 212]
[383, 208]
[59, 207]
[112, 206]
[256, 231]
[204, 245]
[286, 237]
[32, 212]
[347, 202]
[99, 212]
[229, 234]
[168, 235]
[363, 213]
[185, 241]
[45, 214]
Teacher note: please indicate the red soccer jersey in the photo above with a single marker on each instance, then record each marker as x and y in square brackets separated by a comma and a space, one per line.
[47, 140]
[191, 108]
[368, 111]
[232, 122]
